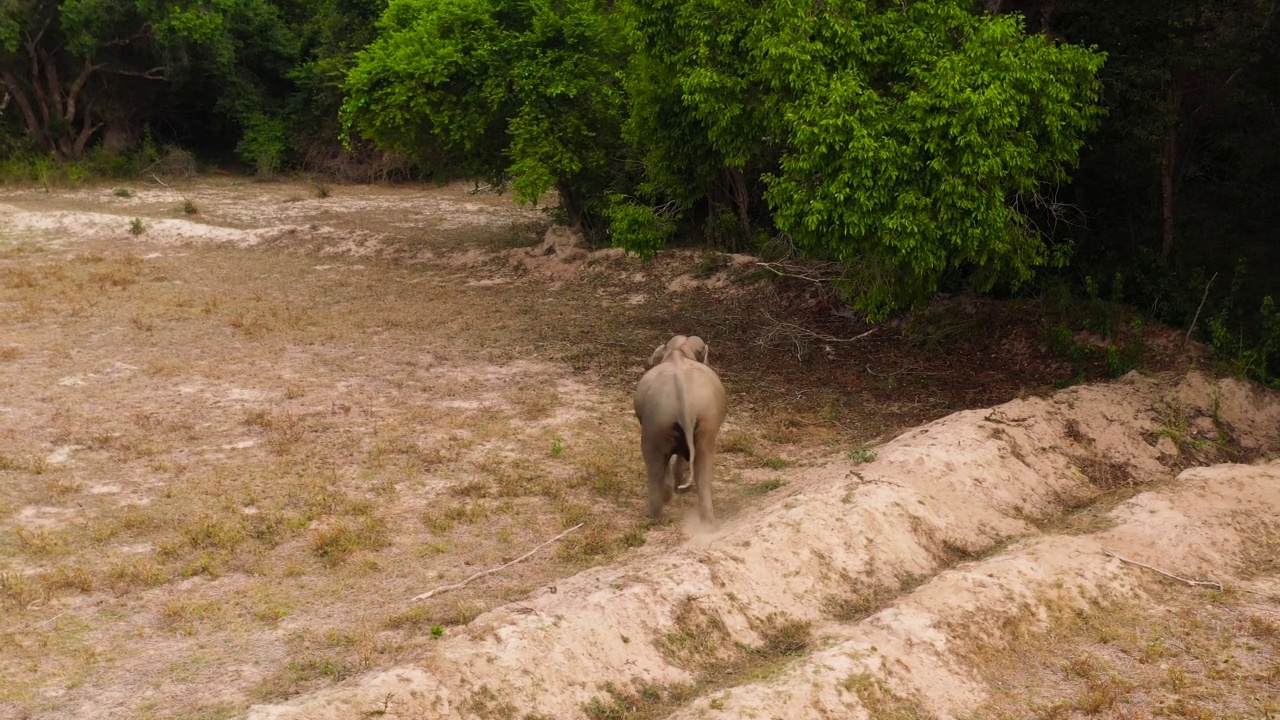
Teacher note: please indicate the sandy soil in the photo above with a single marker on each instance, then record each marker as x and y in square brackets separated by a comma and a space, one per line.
[235, 444]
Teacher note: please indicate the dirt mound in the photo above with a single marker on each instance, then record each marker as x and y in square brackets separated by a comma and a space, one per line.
[681, 627]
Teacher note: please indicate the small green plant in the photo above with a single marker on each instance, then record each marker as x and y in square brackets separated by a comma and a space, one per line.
[189, 208]
[769, 485]
[122, 192]
[136, 227]
[1251, 348]
[321, 189]
[862, 454]
[437, 631]
[557, 447]
[1121, 360]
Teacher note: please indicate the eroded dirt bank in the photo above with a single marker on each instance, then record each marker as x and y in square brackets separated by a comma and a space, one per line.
[956, 533]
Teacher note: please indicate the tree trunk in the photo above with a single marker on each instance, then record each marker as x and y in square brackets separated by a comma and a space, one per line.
[741, 200]
[1168, 169]
[24, 104]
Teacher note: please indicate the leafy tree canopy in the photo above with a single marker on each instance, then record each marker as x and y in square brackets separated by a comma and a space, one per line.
[75, 66]
[499, 88]
[905, 140]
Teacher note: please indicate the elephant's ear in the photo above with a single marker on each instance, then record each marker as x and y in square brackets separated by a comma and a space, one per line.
[699, 348]
[656, 357]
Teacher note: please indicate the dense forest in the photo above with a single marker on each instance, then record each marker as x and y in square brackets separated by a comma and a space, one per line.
[1131, 149]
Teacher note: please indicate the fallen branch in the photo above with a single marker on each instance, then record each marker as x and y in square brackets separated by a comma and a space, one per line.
[800, 337]
[792, 271]
[793, 329]
[1193, 583]
[490, 571]
[1196, 317]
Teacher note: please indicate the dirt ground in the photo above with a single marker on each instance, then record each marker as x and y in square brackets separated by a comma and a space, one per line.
[240, 433]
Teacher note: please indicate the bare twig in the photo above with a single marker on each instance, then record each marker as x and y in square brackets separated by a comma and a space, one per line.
[490, 571]
[792, 328]
[911, 370]
[784, 270]
[1193, 583]
[800, 337]
[157, 179]
[42, 623]
[1198, 309]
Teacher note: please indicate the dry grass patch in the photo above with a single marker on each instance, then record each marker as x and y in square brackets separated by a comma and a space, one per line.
[700, 642]
[1175, 652]
[880, 700]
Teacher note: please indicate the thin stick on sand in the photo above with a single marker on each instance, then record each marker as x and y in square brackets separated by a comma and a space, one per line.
[1193, 583]
[490, 571]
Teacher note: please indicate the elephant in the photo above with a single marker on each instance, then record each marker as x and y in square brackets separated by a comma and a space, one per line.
[680, 404]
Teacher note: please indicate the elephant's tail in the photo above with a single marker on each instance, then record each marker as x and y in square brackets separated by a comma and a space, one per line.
[686, 421]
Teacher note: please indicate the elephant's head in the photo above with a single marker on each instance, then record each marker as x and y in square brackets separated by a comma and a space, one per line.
[692, 347]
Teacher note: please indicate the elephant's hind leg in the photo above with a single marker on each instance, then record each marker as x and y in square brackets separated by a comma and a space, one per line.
[703, 467]
[659, 489]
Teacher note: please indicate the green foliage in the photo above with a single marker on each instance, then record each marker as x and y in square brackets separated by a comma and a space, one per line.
[904, 142]
[496, 89]
[1249, 342]
[638, 228]
[862, 454]
[1114, 340]
[263, 144]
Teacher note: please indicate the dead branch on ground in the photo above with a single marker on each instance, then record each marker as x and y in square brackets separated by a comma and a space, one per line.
[800, 337]
[490, 571]
[1193, 583]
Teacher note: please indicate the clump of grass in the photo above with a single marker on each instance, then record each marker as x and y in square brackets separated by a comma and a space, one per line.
[299, 673]
[136, 574]
[69, 578]
[880, 700]
[433, 618]
[321, 189]
[122, 192]
[182, 616]
[863, 600]
[19, 590]
[284, 430]
[335, 543]
[701, 643]
[643, 700]
[442, 518]
[34, 464]
[737, 442]
[862, 454]
[136, 227]
[486, 705]
[189, 208]
[40, 542]
[769, 485]
[598, 541]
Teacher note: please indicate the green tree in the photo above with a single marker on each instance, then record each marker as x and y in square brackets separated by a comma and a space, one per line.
[904, 140]
[73, 67]
[522, 89]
